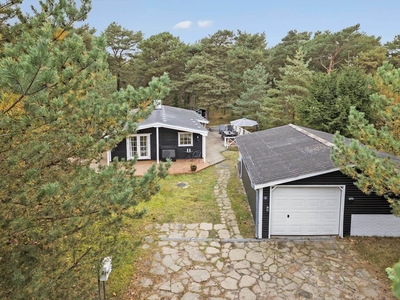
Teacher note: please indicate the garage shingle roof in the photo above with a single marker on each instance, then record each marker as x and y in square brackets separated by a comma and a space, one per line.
[285, 153]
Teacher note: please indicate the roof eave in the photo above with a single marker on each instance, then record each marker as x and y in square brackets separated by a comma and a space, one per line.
[187, 129]
[285, 180]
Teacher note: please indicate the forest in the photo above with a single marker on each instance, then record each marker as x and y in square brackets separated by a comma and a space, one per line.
[308, 78]
[68, 94]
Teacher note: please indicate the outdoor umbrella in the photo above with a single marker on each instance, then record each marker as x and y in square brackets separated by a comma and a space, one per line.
[243, 122]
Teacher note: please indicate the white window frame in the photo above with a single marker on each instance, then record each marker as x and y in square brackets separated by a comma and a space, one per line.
[179, 139]
[129, 154]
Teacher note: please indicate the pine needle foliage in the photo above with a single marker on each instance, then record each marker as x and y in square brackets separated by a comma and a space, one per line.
[362, 158]
[59, 111]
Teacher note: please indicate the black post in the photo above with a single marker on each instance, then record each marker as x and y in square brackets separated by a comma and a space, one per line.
[98, 284]
[104, 289]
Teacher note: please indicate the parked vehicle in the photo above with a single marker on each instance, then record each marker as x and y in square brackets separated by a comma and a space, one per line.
[222, 128]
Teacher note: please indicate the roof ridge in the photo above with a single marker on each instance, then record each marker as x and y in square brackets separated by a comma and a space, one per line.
[313, 136]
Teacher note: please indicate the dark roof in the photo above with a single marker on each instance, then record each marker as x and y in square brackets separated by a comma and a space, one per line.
[286, 153]
[176, 118]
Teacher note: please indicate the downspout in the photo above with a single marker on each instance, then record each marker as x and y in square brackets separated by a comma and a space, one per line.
[257, 215]
[204, 147]
[157, 146]
[108, 157]
[260, 212]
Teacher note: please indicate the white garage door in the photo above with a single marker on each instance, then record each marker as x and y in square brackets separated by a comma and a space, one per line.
[305, 210]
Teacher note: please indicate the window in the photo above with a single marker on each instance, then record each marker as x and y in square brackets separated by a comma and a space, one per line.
[185, 139]
[139, 145]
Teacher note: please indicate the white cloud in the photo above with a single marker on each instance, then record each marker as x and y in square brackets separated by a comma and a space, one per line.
[184, 25]
[205, 23]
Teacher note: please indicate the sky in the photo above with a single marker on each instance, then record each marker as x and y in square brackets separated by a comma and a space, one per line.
[192, 20]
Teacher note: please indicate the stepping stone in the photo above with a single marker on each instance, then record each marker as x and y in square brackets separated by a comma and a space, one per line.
[255, 257]
[195, 287]
[212, 250]
[203, 234]
[224, 234]
[177, 288]
[246, 294]
[206, 226]
[215, 244]
[148, 239]
[219, 265]
[157, 269]
[197, 256]
[247, 281]
[191, 296]
[167, 251]
[146, 282]
[229, 284]
[192, 226]
[234, 274]
[165, 227]
[166, 286]
[191, 234]
[199, 275]
[219, 226]
[237, 254]
[242, 265]
[168, 261]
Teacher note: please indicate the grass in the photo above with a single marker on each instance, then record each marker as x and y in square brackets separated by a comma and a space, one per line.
[193, 203]
[238, 197]
[379, 252]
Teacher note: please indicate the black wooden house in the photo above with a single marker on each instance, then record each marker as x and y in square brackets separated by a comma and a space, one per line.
[169, 132]
[294, 189]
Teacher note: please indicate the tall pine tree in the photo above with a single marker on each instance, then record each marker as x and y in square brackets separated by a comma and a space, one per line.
[122, 45]
[59, 111]
[251, 101]
[330, 98]
[290, 90]
[375, 173]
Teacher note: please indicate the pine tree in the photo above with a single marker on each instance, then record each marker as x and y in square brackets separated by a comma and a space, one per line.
[330, 98]
[122, 43]
[373, 171]
[159, 54]
[290, 90]
[206, 81]
[250, 103]
[59, 111]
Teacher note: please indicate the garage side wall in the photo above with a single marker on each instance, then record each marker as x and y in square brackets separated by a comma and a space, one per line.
[362, 203]
[250, 192]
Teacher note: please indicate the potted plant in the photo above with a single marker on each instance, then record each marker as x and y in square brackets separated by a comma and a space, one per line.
[193, 167]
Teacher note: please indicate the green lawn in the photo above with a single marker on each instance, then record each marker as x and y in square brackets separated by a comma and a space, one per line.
[193, 203]
[379, 252]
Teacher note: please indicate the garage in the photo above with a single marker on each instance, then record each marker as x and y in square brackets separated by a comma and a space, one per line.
[304, 211]
[294, 189]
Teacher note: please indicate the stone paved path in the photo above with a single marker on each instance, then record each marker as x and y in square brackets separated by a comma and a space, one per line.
[213, 261]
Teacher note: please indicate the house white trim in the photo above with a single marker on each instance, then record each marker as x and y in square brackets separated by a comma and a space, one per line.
[139, 145]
